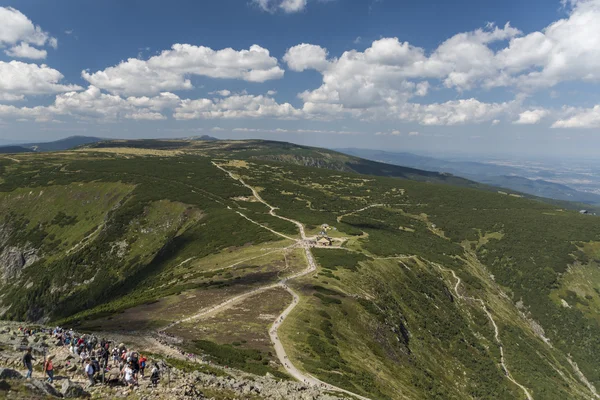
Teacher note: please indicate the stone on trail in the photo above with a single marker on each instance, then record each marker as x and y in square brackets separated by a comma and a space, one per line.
[42, 388]
[71, 389]
[7, 373]
[112, 375]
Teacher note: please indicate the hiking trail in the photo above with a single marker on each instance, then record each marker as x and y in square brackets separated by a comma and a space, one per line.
[304, 243]
[496, 330]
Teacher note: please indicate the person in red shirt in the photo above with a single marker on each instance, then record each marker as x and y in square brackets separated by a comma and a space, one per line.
[49, 368]
[143, 361]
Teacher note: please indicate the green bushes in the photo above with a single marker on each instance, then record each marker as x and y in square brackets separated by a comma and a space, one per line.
[332, 259]
[61, 219]
[327, 291]
[248, 360]
[131, 277]
[327, 300]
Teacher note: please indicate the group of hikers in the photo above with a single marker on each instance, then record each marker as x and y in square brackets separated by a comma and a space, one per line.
[97, 357]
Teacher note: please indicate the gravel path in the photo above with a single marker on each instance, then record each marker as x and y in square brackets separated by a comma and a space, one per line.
[311, 267]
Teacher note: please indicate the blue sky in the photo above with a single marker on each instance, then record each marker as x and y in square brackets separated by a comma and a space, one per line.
[431, 75]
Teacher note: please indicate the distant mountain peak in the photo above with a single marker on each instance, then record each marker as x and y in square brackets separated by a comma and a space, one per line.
[203, 137]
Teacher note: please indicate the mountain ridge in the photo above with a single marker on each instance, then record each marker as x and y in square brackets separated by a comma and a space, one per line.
[57, 145]
[416, 288]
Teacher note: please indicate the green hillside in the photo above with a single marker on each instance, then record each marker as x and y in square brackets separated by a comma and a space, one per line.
[432, 288]
[288, 153]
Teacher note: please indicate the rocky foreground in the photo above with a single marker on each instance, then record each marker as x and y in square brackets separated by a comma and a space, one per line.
[189, 381]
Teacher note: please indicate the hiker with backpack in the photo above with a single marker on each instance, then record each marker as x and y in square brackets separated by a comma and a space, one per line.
[89, 371]
[155, 377]
[28, 358]
[96, 365]
[115, 356]
[142, 361]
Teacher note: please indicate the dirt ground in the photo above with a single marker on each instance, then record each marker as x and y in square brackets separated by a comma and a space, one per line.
[246, 323]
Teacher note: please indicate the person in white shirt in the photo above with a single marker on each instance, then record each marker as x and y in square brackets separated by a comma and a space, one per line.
[89, 371]
[129, 375]
[155, 375]
[83, 356]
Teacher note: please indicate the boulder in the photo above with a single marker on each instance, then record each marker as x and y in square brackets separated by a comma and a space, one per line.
[6, 373]
[42, 388]
[112, 375]
[71, 390]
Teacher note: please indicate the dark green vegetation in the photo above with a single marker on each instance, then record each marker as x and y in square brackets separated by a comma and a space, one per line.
[57, 145]
[142, 233]
[290, 154]
[14, 149]
[233, 356]
[102, 232]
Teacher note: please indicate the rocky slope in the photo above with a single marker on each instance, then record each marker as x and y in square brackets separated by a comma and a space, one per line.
[186, 382]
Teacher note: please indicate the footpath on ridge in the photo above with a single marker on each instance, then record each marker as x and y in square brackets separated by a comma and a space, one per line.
[304, 243]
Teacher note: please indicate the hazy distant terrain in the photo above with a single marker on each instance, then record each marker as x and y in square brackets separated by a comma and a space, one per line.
[569, 180]
[57, 145]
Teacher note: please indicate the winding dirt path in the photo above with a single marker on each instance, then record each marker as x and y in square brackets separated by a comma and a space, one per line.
[496, 330]
[311, 267]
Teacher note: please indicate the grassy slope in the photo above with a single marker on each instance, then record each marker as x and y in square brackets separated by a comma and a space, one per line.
[288, 153]
[376, 326]
[142, 237]
[417, 207]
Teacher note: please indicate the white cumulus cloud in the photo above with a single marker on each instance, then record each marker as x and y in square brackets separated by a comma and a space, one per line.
[24, 50]
[381, 81]
[93, 104]
[306, 56]
[237, 106]
[531, 117]
[566, 50]
[287, 6]
[18, 79]
[171, 69]
[582, 118]
[19, 33]
[384, 79]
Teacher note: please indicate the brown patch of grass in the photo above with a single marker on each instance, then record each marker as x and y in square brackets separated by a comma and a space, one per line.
[246, 324]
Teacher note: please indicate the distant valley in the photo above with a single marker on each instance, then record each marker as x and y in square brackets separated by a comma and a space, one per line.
[543, 179]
